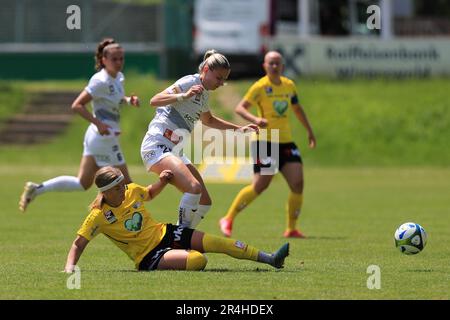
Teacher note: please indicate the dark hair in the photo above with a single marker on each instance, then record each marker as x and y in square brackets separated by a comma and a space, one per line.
[103, 177]
[101, 52]
[214, 60]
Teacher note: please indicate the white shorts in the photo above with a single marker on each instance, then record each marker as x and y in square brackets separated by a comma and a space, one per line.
[105, 149]
[156, 147]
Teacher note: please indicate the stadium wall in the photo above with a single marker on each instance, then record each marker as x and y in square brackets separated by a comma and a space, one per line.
[64, 65]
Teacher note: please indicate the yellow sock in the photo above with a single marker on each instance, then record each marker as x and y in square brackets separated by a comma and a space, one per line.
[195, 261]
[294, 206]
[234, 248]
[243, 199]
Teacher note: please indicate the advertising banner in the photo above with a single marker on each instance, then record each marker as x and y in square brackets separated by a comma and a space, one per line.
[348, 58]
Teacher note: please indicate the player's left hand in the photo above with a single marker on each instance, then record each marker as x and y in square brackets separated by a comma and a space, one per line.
[134, 101]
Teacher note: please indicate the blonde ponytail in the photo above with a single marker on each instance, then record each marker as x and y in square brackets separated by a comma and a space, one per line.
[214, 60]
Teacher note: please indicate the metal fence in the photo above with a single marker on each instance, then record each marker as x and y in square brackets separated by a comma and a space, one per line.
[44, 21]
[37, 31]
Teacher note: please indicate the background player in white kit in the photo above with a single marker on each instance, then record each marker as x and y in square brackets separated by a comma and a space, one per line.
[101, 143]
[179, 107]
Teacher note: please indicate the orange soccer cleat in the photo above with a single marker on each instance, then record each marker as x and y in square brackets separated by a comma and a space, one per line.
[294, 234]
[226, 226]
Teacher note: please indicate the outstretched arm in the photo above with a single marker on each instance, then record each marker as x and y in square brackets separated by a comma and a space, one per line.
[301, 116]
[75, 252]
[154, 189]
[214, 122]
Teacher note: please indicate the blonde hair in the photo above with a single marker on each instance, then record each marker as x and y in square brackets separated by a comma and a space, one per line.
[102, 51]
[214, 60]
[103, 177]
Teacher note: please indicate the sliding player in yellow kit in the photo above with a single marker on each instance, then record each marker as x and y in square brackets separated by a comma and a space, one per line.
[118, 212]
[273, 95]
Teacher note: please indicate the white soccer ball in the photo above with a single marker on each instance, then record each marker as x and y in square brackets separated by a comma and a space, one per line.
[410, 238]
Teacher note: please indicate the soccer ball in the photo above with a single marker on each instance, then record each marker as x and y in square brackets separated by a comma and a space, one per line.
[410, 238]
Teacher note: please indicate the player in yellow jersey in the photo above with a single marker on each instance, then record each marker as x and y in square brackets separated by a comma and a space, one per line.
[118, 212]
[273, 95]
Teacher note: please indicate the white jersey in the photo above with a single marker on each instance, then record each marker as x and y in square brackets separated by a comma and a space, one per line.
[107, 93]
[181, 114]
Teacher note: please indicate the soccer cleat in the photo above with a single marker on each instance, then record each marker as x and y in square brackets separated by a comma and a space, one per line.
[28, 194]
[280, 255]
[293, 234]
[226, 226]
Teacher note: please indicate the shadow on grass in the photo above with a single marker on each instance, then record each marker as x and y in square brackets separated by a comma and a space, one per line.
[235, 270]
[217, 270]
[112, 271]
[324, 238]
[420, 270]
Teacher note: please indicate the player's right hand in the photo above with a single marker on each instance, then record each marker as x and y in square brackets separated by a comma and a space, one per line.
[194, 90]
[261, 122]
[165, 175]
[103, 128]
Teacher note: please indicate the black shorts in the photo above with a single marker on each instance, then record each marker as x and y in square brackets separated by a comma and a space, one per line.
[176, 237]
[263, 158]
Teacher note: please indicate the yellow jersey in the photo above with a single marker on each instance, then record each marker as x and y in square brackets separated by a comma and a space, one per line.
[129, 226]
[273, 103]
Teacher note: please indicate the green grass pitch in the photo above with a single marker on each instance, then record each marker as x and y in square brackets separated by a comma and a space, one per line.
[381, 160]
[349, 214]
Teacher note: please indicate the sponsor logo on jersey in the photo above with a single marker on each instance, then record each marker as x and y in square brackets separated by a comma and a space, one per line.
[109, 215]
[137, 205]
[135, 223]
[190, 119]
[280, 106]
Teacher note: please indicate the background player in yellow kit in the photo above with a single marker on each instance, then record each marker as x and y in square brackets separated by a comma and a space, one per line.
[273, 95]
[119, 213]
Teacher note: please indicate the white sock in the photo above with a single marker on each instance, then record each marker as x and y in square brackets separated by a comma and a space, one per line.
[199, 215]
[61, 183]
[188, 208]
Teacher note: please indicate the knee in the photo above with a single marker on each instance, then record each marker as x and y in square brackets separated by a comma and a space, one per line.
[260, 188]
[85, 183]
[196, 261]
[297, 186]
[206, 200]
[195, 187]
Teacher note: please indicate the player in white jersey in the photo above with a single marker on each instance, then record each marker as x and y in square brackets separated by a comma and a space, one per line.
[179, 107]
[101, 143]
